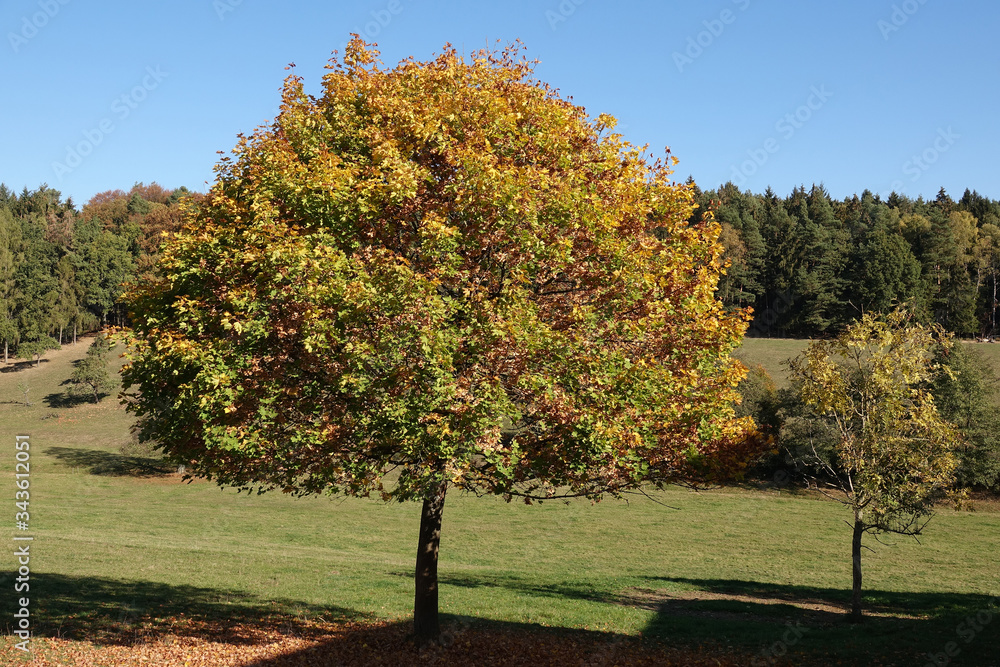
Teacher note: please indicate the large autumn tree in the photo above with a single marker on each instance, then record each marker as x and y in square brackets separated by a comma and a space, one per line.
[439, 276]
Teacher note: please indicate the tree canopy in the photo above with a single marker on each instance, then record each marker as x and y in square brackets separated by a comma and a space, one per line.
[440, 275]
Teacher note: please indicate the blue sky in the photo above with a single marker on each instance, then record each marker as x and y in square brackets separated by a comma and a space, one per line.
[877, 94]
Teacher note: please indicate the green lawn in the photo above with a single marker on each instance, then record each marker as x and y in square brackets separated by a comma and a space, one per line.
[119, 538]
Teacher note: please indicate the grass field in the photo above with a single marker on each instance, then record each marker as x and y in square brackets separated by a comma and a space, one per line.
[772, 353]
[127, 557]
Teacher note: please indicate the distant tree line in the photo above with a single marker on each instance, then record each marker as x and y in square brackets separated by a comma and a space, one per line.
[810, 265]
[807, 264]
[62, 270]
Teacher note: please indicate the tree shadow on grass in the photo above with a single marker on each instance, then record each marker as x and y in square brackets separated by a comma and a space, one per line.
[109, 612]
[17, 366]
[125, 613]
[69, 398]
[549, 590]
[809, 623]
[63, 399]
[150, 615]
[98, 462]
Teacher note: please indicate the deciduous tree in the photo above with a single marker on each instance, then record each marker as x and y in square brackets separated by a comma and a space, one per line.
[965, 396]
[894, 454]
[91, 373]
[439, 276]
[36, 346]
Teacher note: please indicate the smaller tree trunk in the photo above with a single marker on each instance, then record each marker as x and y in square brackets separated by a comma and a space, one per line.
[993, 313]
[859, 530]
[74, 333]
[425, 602]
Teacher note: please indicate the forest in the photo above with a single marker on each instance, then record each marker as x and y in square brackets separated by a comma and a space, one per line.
[809, 265]
[62, 269]
[806, 263]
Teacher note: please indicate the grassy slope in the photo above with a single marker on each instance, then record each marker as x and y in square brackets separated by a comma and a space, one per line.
[113, 545]
[772, 353]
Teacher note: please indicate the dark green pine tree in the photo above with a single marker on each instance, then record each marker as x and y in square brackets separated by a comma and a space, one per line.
[951, 293]
[985, 210]
[944, 202]
[832, 266]
[885, 273]
[818, 280]
[36, 285]
[137, 205]
[10, 259]
[782, 247]
[103, 263]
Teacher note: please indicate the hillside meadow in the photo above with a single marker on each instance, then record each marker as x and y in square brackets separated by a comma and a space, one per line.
[772, 353]
[131, 565]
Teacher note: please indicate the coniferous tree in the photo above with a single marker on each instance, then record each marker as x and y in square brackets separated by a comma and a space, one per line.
[779, 235]
[831, 266]
[70, 295]
[36, 285]
[817, 282]
[104, 264]
[952, 294]
[10, 250]
[886, 273]
[985, 210]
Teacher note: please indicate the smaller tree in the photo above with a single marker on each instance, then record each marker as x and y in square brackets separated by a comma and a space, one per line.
[25, 390]
[36, 346]
[91, 373]
[892, 456]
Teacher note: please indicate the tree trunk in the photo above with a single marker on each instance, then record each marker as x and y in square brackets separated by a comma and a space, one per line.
[425, 602]
[993, 314]
[856, 555]
[74, 333]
